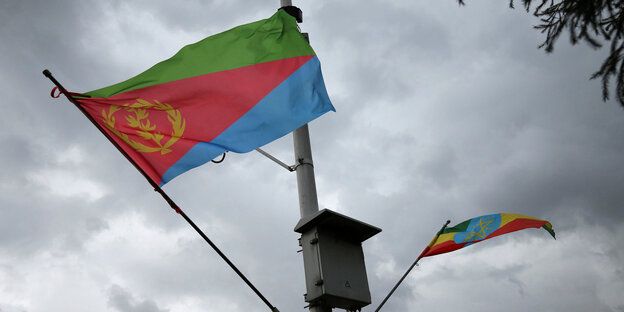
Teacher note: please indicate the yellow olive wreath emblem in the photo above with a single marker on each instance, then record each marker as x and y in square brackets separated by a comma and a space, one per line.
[139, 120]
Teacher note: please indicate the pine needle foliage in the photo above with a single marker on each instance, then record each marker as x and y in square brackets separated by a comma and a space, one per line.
[595, 22]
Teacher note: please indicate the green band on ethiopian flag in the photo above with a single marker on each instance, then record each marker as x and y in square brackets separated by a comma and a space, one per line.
[233, 91]
[481, 228]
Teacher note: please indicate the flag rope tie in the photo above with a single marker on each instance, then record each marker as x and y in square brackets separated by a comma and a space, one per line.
[63, 91]
[57, 95]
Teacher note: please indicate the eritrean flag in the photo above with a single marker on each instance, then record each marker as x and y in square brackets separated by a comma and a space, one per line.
[234, 91]
[479, 229]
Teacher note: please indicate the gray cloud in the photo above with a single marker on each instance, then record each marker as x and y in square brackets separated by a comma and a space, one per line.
[123, 301]
[443, 112]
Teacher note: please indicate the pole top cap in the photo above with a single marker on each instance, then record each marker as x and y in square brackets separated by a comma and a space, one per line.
[294, 12]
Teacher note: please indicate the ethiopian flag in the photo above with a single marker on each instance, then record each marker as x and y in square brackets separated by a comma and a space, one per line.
[479, 229]
[234, 91]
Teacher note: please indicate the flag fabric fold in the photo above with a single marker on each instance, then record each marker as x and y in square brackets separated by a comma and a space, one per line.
[479, 229]
[234, 91]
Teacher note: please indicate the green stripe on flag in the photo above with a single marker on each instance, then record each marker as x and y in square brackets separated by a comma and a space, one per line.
[266, 40]
[462, 227]
[548, 227]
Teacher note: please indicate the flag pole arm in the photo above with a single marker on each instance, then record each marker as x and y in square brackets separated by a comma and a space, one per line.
[277, 161]
[409, 270]
[159, 190]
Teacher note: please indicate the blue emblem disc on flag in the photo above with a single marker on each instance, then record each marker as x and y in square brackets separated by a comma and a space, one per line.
[478, 229]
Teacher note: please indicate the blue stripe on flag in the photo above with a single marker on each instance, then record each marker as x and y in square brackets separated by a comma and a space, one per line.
[299, 99]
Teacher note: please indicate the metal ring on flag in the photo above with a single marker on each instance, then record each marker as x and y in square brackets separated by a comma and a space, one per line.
[219, 161]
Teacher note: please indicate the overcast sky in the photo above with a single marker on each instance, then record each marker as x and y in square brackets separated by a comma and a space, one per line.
[443, 112]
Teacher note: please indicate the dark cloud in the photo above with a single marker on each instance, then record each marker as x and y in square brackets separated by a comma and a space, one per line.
[200, 16]
[443, 112]
[123, 301]
[35, 220]
[18, 157]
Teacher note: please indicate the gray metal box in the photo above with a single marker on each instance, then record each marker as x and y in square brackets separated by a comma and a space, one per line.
[333, 259]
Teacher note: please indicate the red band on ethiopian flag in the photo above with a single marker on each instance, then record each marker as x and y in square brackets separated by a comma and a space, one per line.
[234, 91]
[479, 229]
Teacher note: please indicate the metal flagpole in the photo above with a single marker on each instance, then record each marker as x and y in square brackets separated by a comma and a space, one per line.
[306, 185]
[410, 268]
[160, 191]
[308, 201]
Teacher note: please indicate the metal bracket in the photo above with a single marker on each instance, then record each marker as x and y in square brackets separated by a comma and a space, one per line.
[277, 161]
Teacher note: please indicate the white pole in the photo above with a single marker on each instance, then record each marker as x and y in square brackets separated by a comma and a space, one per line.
[308, 201]
[306, 185]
